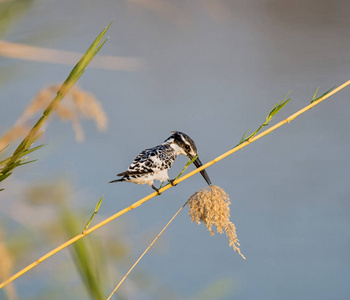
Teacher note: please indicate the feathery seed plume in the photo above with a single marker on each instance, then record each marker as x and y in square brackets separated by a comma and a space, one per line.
[211, 205]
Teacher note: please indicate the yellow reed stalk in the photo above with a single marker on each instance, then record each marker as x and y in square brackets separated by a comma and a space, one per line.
[144, 252]
[138, 203]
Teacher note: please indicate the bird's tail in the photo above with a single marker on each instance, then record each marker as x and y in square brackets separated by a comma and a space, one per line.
[117, 180]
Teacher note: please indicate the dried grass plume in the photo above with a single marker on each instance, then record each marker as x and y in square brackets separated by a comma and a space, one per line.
[77, 104]
[6, 267]
[211, 205]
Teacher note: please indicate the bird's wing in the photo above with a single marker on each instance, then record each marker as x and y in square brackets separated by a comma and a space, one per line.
[151, 160]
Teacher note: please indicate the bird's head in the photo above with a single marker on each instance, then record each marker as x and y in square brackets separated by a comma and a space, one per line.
[183, 144]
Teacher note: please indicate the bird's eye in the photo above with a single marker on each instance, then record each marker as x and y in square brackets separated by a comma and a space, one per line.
[187, 147]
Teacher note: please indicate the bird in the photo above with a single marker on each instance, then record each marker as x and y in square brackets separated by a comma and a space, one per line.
[153, 163]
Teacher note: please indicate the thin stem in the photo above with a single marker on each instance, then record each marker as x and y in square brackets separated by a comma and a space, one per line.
[184, 169]
[24, 147]
[144, 252]
[138, 203]
[93, 214]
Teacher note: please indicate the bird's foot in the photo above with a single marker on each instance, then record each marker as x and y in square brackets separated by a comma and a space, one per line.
[172, 182]
[157, 190]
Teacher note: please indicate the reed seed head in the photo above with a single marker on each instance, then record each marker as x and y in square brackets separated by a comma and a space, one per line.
[6, 268]
[211, 205]
[77, 104]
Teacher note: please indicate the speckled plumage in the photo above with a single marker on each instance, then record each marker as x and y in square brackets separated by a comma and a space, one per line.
[150, 161]
[153, 163]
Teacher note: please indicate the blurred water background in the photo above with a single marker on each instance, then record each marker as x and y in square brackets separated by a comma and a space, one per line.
[212, 69]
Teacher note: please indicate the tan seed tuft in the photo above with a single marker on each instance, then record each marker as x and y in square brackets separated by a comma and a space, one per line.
[6, 268]
[211, 205]
[76, 105]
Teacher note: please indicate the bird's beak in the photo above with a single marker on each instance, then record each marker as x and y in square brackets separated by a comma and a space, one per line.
[198, 163]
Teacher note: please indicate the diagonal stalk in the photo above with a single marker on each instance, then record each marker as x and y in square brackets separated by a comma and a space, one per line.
[144, 252]
[141, 201]
[24, 147]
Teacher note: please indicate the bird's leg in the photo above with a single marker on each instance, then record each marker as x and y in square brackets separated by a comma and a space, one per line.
[172, 182]
[157, 190]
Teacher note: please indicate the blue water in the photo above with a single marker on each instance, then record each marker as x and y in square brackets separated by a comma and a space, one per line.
[213, 75]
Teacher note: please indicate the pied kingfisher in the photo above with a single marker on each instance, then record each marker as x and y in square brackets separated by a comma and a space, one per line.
[153, 163]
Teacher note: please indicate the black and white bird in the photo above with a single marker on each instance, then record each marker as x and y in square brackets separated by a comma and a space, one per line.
[153, 163]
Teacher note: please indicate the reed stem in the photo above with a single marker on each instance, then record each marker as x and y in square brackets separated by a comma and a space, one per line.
[186, 176]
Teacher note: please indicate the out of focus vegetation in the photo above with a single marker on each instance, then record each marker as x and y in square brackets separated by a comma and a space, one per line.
[35, 217]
